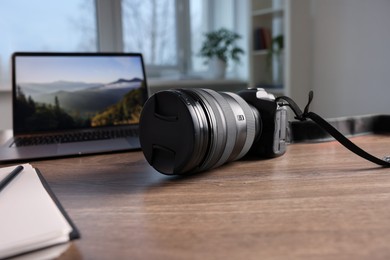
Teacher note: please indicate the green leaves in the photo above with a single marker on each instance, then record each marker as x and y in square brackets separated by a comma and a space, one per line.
[221, 44]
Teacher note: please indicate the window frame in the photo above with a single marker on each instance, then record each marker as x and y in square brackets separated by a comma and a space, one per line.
[110, 33]
[109, 37]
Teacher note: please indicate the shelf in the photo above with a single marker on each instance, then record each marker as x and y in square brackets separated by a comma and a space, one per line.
[260, 52]
[267, 11]
[267, 19]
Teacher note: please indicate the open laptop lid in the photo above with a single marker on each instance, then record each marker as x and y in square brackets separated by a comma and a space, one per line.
[56, 92]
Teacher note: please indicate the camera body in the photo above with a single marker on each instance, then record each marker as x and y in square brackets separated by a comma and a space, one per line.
[272, 141]
[191, 130]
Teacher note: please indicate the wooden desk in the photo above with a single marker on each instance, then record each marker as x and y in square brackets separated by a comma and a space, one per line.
[319, 201]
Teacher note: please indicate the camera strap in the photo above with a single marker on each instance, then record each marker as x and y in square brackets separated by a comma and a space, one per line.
[302, 116]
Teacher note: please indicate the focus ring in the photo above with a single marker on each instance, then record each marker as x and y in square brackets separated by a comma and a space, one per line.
[251, 124]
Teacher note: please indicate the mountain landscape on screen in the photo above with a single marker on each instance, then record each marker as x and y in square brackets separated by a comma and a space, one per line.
[70, 105]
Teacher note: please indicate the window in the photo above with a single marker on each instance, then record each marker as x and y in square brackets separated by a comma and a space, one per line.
[199, 25]
[44, 25]
[168, 33]
[149, 27]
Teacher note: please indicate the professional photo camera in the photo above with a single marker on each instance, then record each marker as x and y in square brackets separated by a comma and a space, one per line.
[184, 131]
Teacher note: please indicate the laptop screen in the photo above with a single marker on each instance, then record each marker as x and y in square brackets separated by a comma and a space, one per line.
[64, 91]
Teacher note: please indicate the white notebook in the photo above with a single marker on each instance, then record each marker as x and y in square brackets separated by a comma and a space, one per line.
[31, 217]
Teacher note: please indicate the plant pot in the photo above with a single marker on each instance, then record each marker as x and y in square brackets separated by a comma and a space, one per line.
[217, 68]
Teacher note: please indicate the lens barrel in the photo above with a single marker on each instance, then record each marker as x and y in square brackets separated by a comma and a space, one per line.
[191, 130]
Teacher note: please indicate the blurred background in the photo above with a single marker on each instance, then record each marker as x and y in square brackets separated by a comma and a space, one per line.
[338, 48]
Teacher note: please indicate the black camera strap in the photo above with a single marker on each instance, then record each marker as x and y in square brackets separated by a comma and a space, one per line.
[302, 116]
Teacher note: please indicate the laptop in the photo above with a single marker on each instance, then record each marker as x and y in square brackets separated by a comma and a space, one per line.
[67, 104]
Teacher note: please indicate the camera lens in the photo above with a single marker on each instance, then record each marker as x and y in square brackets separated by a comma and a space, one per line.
[190, 130]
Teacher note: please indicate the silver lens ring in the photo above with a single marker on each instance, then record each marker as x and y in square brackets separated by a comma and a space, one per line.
[215, 137]
[250, 121]
[217, 128]
[230, 126]
[241, 125]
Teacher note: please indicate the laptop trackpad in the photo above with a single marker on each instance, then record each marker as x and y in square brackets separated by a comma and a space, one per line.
[94, 146]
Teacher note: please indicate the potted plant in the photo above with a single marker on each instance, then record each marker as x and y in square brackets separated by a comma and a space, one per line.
[220, 46]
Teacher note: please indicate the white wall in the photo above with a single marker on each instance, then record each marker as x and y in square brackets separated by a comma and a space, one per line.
[350, 71]
[298, 48]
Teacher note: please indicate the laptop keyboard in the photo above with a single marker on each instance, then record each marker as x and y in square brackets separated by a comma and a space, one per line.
[76, 137]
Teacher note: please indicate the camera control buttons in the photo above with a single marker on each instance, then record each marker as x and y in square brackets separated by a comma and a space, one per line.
[262, 94]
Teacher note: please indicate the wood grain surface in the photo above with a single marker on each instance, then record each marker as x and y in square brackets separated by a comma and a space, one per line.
[318, 201]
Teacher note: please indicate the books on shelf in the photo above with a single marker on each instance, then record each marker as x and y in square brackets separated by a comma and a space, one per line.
[262, 38]
[31, 217]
